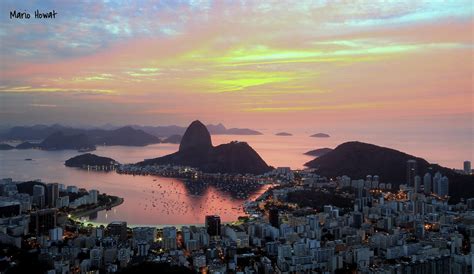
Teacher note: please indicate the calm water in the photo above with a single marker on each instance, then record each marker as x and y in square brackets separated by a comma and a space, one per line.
[151, 200]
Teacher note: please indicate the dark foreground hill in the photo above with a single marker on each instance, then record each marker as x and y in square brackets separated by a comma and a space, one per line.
[357, 159]
[196, 150]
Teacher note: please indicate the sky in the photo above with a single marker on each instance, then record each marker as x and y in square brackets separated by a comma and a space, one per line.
[393, 66]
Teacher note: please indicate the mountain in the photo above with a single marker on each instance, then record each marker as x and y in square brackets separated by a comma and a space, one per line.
[318, 152]
[127, 136]
[283, 134]
[196, 150]
[173, 139]
[59, 140]
[27, 145]
[320, 135]
[89, 159]
[357, 159]
[161, 131]
[40, 132]
[221, 129]
[196, 137]
[6, 147]
[124, 136]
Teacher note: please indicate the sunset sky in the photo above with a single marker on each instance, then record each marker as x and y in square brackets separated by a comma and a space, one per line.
[406, 65]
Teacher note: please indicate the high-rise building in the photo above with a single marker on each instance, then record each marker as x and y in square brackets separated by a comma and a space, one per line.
[273, 217]
[443, 188]
[42, 221]
[358, 219]
[467, 167]
[52, 194]
[417, 185]
[213, 225]
[411, 172]
[39, 196]
[427, 183]
[437, 177]
[93, 196]
[56, 234]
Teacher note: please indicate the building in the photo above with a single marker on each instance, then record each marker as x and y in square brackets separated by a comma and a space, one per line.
[358, 219]
[144, 234]
[118, 229]
[53, 194]
[273, 217]
[467, 167]
[427, 183]
[443, 188]
[417, 185]
[42, 221]
[93, 196]
[9, 208]
[56, 234]
[39, 196]
[411, 172]
[213, 225]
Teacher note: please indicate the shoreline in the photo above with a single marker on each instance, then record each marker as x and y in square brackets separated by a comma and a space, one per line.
[86, 212]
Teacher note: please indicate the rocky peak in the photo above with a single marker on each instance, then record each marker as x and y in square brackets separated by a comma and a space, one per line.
[196, 137]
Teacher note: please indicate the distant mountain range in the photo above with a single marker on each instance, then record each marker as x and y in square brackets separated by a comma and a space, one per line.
[40, 132]
[196, 150]
[59, 141]
[219, 129]
[357, 159]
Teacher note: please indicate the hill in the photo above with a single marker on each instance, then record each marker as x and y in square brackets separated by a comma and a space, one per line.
[196, 150]
[357, 159]
[59, 140]
[27, 145]
[127, 136]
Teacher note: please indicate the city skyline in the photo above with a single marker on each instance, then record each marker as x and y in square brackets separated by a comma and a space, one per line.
[244, 64]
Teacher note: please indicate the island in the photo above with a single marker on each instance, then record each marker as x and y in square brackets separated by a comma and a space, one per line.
[320, 135]
[283, 134]
[6, 147]
[196, 150]
[90, 160]
[318, 152]
[27, 145]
